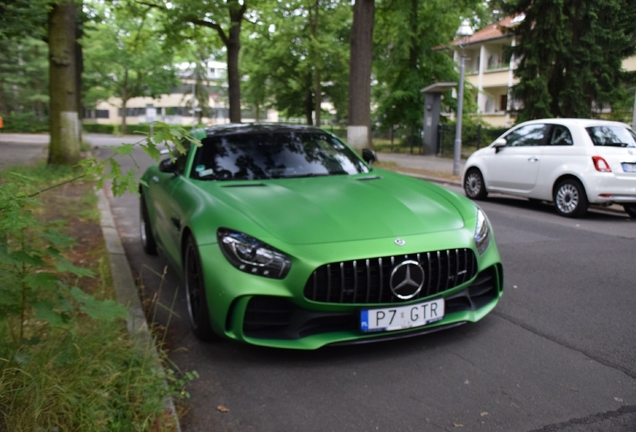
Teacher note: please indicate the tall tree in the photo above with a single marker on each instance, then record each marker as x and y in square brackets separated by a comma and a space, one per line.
[64, 119]
[571, 55]
[124, 59]
[360, 60]
[296, 56]
[24, 77]
[407, 31]
[224, 18]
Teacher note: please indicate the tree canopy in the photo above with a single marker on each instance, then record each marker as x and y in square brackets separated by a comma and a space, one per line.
[407, 33]
[296, 52]
[570, 55]
[123, 57]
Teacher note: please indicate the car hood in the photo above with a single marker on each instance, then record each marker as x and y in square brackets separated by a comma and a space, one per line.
[339, 208]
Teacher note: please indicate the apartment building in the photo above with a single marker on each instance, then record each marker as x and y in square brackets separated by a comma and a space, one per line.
[176, 107]
[491, 73]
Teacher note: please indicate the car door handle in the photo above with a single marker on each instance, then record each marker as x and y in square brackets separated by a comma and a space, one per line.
[533, 159]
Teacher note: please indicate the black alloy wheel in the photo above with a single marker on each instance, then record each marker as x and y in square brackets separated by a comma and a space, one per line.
[630, 209]
[474, 185]
[195, 294]
[147, 238]
[570, 199]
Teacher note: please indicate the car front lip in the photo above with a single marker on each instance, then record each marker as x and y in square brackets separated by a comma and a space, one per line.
[231, 290]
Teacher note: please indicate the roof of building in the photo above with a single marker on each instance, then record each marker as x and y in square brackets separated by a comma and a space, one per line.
[493, 31]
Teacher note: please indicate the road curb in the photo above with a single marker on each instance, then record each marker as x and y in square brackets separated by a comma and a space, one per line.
[126, 293]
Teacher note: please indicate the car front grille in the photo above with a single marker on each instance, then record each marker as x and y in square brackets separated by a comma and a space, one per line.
[367, 281]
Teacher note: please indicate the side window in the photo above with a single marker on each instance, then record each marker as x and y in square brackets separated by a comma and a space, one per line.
[180, 161]
[560, 136]
[530, 135]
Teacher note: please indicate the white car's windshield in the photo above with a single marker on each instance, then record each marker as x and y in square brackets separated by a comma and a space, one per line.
[613, 136]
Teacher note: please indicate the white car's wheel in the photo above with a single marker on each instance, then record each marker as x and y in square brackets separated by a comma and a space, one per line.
[570, 199]
[474, 185]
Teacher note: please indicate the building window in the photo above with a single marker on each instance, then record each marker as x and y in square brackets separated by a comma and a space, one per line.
[503, 102]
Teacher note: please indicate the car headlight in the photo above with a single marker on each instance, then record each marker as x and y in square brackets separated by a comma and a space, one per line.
[252, 256]
[482, 232]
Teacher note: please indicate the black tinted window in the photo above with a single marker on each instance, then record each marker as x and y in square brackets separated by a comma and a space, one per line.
[529, 135]
[273, 155]
[614, 136]
[560, 136]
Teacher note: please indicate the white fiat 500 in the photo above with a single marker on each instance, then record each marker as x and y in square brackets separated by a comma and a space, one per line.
[571, 162]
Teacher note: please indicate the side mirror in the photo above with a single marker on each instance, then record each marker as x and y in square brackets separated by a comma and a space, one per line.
[499, 143]
[369, 156]
[167, 166]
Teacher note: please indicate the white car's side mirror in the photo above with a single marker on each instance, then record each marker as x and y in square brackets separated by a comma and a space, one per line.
[500, 142]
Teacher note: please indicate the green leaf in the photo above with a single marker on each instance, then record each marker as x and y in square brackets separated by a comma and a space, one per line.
[46, 311]
[26, 258]
[66, 266]
[47, 281]
[98, 309]
[124, 149]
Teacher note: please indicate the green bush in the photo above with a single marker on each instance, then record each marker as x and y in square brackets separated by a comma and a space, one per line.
[25, 123]
[136, 129]
[100, 128]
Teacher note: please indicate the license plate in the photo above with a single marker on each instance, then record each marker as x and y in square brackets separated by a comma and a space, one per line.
[629, 167]
[401, 317]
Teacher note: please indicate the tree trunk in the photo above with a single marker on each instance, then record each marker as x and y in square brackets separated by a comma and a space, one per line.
[317, 66]
[79, 68]
[233, 77]
[361, 49]
[122, 130]
[318, 96]
[309, 102]
[63, 121]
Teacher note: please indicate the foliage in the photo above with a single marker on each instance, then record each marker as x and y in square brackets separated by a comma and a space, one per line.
[283, 55]
[123, 55]
[406, 35]
[61, 342]
[23, 18]
[570, 55]
[24, 123]
[23, 77]
[175, 138]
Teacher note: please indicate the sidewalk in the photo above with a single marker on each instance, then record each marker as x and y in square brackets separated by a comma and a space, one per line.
[431, 168]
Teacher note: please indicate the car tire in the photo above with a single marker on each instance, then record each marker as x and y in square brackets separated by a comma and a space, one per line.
[196, 297]
[474, 185]
[147, 237]
[630, 209]
[570, 199]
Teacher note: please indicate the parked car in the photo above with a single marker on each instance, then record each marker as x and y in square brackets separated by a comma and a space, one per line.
[286, 238]
[571, 162]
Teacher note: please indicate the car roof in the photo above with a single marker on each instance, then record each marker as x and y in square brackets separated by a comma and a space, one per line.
[577, 122]
[247, 128]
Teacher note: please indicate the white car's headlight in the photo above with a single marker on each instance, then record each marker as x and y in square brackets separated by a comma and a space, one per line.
[253, 256]
[482, 232]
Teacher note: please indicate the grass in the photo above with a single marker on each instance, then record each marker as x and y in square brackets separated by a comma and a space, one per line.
[81, 373]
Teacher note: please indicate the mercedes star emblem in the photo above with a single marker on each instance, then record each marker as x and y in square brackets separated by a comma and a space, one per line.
[399, 242]
[407, 279]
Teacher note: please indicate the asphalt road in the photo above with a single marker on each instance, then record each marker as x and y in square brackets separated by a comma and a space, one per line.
[557, 354]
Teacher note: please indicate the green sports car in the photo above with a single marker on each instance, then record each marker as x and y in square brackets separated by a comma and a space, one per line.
[286, 238]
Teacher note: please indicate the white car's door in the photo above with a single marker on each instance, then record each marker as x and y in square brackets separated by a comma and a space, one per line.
[560, 155]
[514, 167]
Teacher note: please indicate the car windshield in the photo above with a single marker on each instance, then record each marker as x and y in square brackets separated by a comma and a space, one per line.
[258, 156]
[614, 136]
